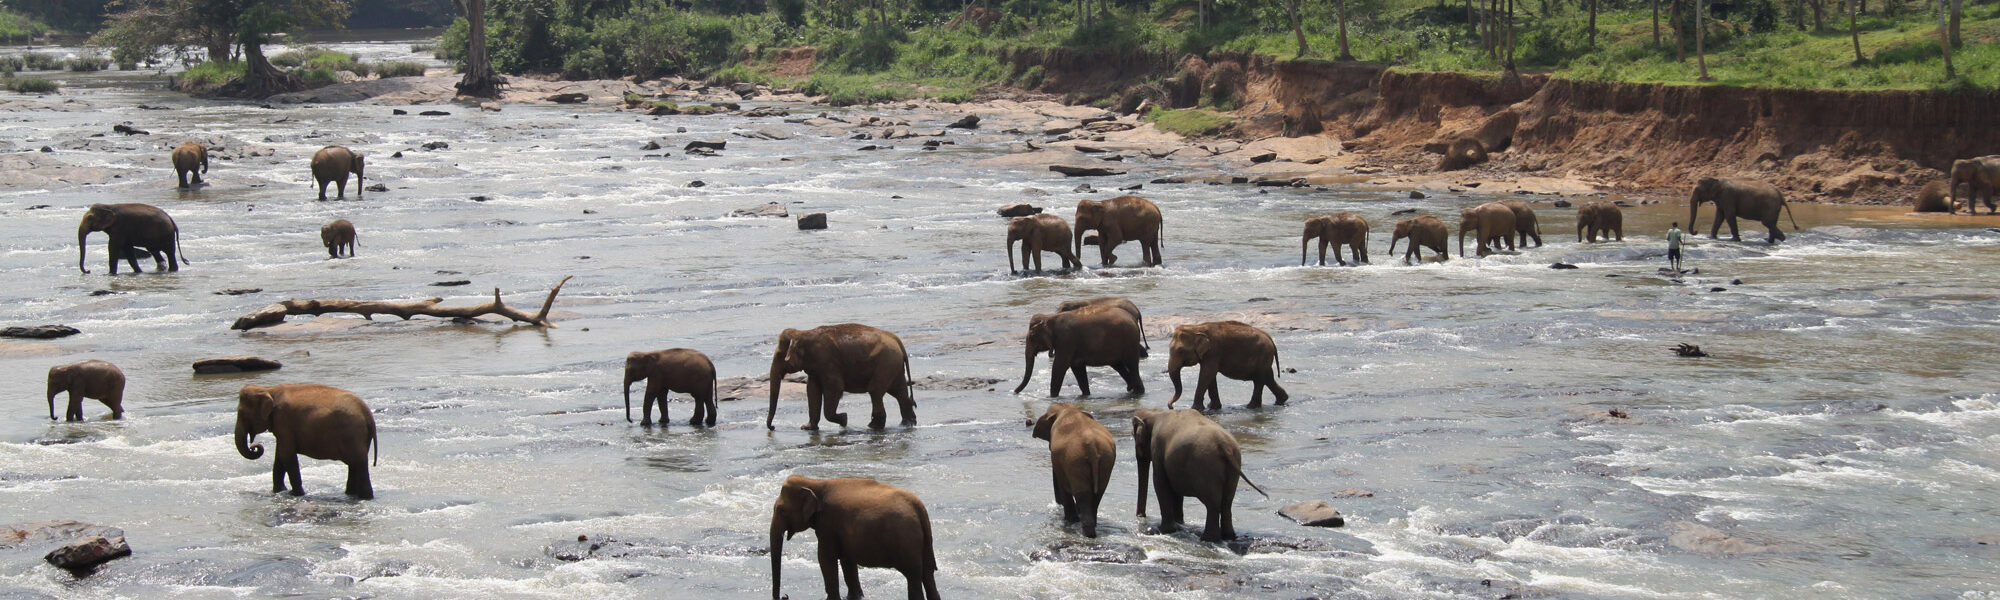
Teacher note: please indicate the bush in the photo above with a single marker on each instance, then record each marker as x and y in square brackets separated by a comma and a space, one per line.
[31, 85]
[1191, 122]
[735, 74]
[336, 61]
[399, 68]
[85, 64]
[36, 61]
[872, 48]
[319, 76]
[9, 64]
[790, 12]
[211, 74]
[422, 48]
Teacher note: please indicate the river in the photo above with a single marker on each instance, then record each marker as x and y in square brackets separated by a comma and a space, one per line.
[1833, 445]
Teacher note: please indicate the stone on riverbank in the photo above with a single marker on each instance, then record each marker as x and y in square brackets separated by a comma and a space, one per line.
[1019, 209]
[812, 221]
[1075, 171]
[235, 364]
[1313, 513]
[39, 332]
[569, 98]
[82, 556]
[715, 145]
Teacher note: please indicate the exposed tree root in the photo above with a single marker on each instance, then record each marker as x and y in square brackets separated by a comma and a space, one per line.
[276, 313]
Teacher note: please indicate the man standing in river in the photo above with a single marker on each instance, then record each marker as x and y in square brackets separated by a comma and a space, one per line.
[1674, 247]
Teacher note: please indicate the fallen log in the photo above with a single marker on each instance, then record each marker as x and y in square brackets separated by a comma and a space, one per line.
[276, 313]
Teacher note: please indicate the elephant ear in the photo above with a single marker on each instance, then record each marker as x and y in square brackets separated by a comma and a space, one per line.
[1199, 343]
[1142, 438]
[1044, 425]
[806, 505]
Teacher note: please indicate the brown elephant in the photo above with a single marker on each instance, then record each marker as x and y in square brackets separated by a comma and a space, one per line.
[1740, 198]
[1981, 176]
[1092, 336]
[1494, 223]
[1600, 217]
[336, 236]
[838, 359]
[1230, 348]
[1934, 197]
[190, 160]
[1038, 234]
[1425, 231]
[1338, 229]
[1197, 458]
[332, 164]
[668, 371]
[1121, 304]
[1081, 455]
[318, 421]
[1525, 224]
[87, 379]
[859, 523]
[1116, 221]
[131, 227]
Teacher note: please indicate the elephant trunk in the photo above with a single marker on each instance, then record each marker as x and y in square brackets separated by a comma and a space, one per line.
[1010, 252]
[243, 445]
[1076, 243]
[53, 389]
[82, 231]
[777, 556]
[777, 380]
[628, 398]
[1461, 238]
[1174, 374]
[1392, 244]
[1694, 208]
[1303, 241]
[1030, 372]
[1145, 468]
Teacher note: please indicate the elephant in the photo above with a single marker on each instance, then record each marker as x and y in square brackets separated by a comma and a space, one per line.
[1982, 177]
[1038, 234]
[131, 227]
[1197, 458]
[1600, 217]
[1081, 455]
[1493, 221]
[1122, 304]
[1092, 336]
[668, 371]
[845, 358]
[1426, 231]
[1740, 198]
[337, 235]
[1525, 224]
[1231, 348]
[859, 523]
[87, 379]
[318, 421]
[1935, 197]
[331, 165]
[190, 159]
[1117, 220]
[1339, 229]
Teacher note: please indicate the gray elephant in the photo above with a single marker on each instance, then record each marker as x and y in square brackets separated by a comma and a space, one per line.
[841, 359]
[859, 523]
[668, 371]
[1491, 223]
[1198, 459]
[131, 227]
[1117, 221]
[1525, 224]
[1092, 336]
[337, 236]
[190, 160]
[1339, 229]
[332, 164]
[316, 421]
[1982, 178]
[1230, 349]
[1038, 234]
[1081, 455]
[1740, 198]
[1121, 304]
[87, 379]
[1424, 231]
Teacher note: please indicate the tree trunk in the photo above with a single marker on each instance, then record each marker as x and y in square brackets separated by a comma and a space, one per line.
[1700, 34]
[1656, 22]
[260, 79]
[1819, 15]
[1944, 38]
[275, 313]
[1957, 11]
[1593, 24]
[479, 81]
[1341, 7]
[1854, 27]
[1510, 35]
[1680, 34]
[1292, 7]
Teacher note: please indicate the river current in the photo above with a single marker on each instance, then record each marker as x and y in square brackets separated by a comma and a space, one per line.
[1834, 444]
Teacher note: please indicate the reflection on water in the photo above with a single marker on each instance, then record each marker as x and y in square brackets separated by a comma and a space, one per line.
[1843, 420]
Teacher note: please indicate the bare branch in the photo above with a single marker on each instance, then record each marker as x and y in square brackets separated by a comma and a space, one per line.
[276, 313]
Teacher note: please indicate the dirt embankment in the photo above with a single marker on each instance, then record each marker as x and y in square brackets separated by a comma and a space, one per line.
[1825, 146]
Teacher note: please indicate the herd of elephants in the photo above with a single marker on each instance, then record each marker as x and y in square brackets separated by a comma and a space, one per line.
[861, 522]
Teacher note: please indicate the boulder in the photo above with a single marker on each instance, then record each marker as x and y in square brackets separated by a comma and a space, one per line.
[1132, 188]
[744, 89]
[377, 187]
[569, 98]
[1563, 204]
[769, 210]
[812, 221]
[1075, 171]
[872, 147]
[235, 364]
[39, 332]
[434, 113]
[965, 122]
[1313, 513]
[436, 146]
[83, 555]
[1464, 152]
[699, 183]
[237, 291]
[705, 145]
[1416, 195]
[651, 145]
[452, 283]
[1019, 209]
[1085, 189]
[1561, 266]
[489, 106]
[1263, 157]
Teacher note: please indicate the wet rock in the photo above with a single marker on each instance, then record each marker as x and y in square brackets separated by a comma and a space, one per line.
[83, 555]
[1085, 189]
[1019, 209]
[1244, 544]
[1037, 192]
[1313, 513]
[453, 283]
[768, 210]
[237, 291]
[1735, 282]
[872, 147]
[937, 383]
[861, 136]
[269, 572]
[434, 113]
[102, 292]
[699, 183]
[303, 512]
[744, 89]
[129, 130]
[812, 221]
[1406, 211]
[1264, 158]
[1133, 187]
[600, 546]
[1354, 493]
[40, 533]
[489, 106]
[1562, 204]
[235, 364]
[1702, 539]
[569, 98]
[766, 133]
[39, 332]
[48, 149]
[377, 187]
[436, 145]
[710, 145]
[767, 111]
[1561, 265]
[1075, 171]
[398, 112]
[1172, 179]
[1417, 195]
[398, 154]
[479, 198]
[965, 122]
[1718, 289]
[1091, 551]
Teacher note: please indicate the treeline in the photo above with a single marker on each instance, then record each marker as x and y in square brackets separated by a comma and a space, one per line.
[85, 17]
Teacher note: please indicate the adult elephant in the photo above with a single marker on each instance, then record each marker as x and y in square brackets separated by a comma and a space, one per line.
[1982, 178]
[1198, 459]
[1038, 234]
[668, 371]
[1230, 348]
[1116, 221]
[131, 227]
[838, 359]
[332, 164]
[1492, 221]
[1338, 229]
[1602, 217]
[859, 523]
[1120, 304]
[1081, 455]
[87, 379]
[1425, 231]
[336, 236]
[318, 421]
[1092, 336]
[190, 160]
[1740, 198]
[1525, 224]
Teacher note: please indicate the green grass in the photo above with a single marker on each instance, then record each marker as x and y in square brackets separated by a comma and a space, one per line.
[318, 76]
[36, 61]
[399, 68]
[15, 25]
[85, 64]
[211, 74]
[31, 85]
[9, 64]
[313, 57]
[1192, 122]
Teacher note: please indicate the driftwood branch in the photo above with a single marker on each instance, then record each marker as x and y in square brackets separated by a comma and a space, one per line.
[276, 313]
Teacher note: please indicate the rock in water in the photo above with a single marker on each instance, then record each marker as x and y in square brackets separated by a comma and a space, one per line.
[81, 556]
[812, 221]
[39, 332]
[769, 210]
[235, 364]
[376, 187]
[1562, 204]
[570, 98]
[1313, 513]
[434, 113]
[1264, 158]
[1085, 189]
[1561, 265]
[1416, 195]
[1075, 171]
[1098, 552]
[705, 145]
[966, 122]
[1019, 209]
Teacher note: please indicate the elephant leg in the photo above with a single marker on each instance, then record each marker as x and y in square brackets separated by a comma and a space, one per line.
[812, 404]
[131, 258]
[341, 187]
[292, 473]
[700, 408]
[1088, 506]
[1256, 395]
[1130, 371]
[1211, 527]
[1776, 235]
[1038, 259]
[1082, 379]
[914, 579]
[1278, 395]
[1106, 240]
[1058, 369]
[1171, 518]
[357, 478]
[879, 418]
[1063, 496]
[1206, 383]
[278, 473]
[829, 569]
[322, 190]
[853, 574]
[1730, 215]
[1152, 245]
[831, 405]
[75, 410]
[907, 402]
[183, 177]
[196, 175]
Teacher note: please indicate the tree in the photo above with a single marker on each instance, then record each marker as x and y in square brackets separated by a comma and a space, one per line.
[141, 28]
[479, 81]
[1656, 22]
[1854, 28]
[1700, 33]
[1593, 24]
[1944, 36]
[1292, 9]
[1341, 7]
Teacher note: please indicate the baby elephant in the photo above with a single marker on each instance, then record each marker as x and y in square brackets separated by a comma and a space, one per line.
[337, 235]
[87, 379]
[1228, 348]
[1081, 453]
[859, 523]
[668, 371]
[190, 160]
[322, 422]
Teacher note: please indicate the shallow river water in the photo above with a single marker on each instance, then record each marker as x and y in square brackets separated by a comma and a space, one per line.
[1833, 445]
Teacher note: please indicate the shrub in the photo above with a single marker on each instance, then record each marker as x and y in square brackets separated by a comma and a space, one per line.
[210, 74]
[85, 64]
[31, 85]
[9, 64]
[399, 68]
[36, 61]
[736, 74]
[336, 61]
[872, 48]
[1191, 122]
[319, 76]
[791, 12]
[422, 48]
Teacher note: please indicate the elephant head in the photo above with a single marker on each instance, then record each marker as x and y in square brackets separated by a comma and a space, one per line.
[635, 370]
[58, 383]
[356, 168]
[1401, 231]
[797, 505]
[99, 218]
[1089, 215]
[1142, 448]
[787, 360]
[253, 416]
[1466, 222]
[1964, 172]
[1022, 229]
[1189, 346]
[1706, 190]
[1040, 339]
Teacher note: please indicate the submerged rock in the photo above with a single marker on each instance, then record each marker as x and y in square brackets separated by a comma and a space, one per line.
[1091, 551]
[82, 556]
[813, 221]
[569, 98]
[235, 364]
[1019, 209]
[965, 122]
[39, 332]
[1313, 513]
[714, 145]
[1075, 171]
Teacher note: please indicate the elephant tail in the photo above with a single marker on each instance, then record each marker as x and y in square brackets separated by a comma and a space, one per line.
[181, 253]
[373, 441]
[1253, 484]
[909, 382]
[1788, 215]
[1278, 361]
